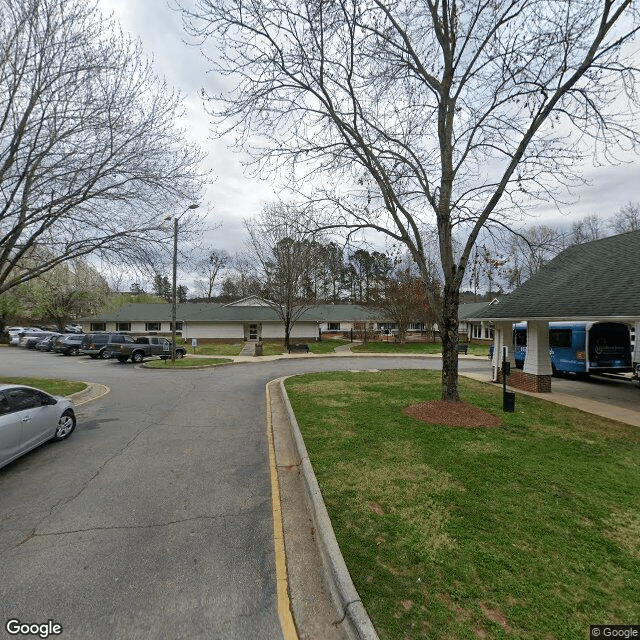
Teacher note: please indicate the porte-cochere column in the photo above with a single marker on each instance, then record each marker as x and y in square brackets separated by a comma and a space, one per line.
[536, 373]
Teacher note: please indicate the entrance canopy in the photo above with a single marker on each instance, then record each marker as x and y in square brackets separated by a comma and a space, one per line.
[598, 280]
[595, 281]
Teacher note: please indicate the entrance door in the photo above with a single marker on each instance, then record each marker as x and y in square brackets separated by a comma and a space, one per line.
[253, 332]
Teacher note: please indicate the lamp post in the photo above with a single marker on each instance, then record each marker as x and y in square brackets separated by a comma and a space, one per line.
[174, 306]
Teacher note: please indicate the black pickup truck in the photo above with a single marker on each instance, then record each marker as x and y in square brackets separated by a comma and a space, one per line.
[145, 347]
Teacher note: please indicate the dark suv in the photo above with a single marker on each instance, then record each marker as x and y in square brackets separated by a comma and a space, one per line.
[68, 344]
[95, 344]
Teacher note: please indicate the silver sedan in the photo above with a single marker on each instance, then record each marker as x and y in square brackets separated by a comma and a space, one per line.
[29, 417]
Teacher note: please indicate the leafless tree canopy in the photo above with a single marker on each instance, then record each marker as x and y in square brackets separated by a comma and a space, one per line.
[90, 157]
[458, 112]
[284, 258]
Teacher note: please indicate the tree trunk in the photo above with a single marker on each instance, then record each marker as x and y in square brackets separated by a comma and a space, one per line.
[449, 334]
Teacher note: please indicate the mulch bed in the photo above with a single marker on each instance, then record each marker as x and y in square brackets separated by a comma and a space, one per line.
[460, 414]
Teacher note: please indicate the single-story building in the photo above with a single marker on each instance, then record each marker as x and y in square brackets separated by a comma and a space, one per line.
[595, 281]
[479, 331]
[250, 319]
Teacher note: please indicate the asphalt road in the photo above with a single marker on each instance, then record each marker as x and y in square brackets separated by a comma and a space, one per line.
[154, 519]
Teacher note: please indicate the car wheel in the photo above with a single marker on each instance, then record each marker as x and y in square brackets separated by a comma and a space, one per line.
[103, 354]
[75, 351]
[66, 425]
[137, 357]
[179, 354]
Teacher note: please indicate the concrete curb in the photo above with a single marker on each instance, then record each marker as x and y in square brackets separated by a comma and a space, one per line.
[343, 591]
[92, 392]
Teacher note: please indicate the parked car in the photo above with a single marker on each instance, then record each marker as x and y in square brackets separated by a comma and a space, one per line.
[31, 338]
[95, 344]
[29, 417]
[48, 343]
[68, 344]
[73, 328]
[144, 347]
[15, 333]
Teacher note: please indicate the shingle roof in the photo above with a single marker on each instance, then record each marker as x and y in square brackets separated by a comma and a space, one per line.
[215, 312]
[591, 281]
[472, 309]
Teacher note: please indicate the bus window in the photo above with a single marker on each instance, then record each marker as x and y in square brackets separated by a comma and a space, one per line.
[559, 338]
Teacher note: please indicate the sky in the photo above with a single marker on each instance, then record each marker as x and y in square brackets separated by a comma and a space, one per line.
[234, 195]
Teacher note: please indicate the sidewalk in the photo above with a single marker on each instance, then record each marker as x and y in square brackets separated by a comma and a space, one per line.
[602, 409]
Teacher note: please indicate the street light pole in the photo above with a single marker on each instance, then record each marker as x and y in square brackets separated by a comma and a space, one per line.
[174, 305]
[174, 310]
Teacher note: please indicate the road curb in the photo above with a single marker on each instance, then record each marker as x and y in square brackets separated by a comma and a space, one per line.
[356, 620]
[92, 392]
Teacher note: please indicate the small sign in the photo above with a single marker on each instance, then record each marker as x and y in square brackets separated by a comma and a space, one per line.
[194, 342]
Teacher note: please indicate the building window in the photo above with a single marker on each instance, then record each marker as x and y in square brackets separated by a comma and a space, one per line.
[152, 326]
[123, 326]
[333, 326]
[178, 325]
[98, 326]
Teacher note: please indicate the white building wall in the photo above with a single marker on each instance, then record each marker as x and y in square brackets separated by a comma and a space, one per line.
[275, 331]
[219, 330]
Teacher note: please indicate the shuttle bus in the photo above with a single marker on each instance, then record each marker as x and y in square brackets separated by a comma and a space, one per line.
[581, 347]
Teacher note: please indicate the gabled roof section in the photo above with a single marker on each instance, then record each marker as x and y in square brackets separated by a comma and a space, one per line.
[251, 301]
[591, 281]
[471, 309]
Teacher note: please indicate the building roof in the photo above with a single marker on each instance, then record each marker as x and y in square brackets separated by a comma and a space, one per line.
[215, 312]
[470, 310]
[597, 280]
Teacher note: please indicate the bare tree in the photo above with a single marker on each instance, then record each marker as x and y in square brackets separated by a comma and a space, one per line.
[409, 110]
[90, 156]
[530, 250]
[284, 257]
[627, 219]
[403, 297]
[209, 267]
[585, 230]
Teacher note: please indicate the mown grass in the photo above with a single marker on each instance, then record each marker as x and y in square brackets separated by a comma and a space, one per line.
[54, 386]
[529, 530]
[184, 363]
[216, 349]
[414, 347]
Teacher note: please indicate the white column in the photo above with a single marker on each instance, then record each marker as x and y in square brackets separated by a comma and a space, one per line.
[538, 360]
[502, 337]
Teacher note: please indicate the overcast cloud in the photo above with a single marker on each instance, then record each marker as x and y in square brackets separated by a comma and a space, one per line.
[234, 195]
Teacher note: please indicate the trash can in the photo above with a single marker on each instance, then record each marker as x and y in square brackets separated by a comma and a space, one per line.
[509, 401]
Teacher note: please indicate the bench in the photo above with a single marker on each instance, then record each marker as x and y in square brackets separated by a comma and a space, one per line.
[463, 348]
[298, 348]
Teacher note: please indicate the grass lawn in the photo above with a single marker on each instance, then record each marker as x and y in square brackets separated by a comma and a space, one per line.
[414, 347]
[53, 386]
[216, 349]
[528, 530]
[184, 363]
